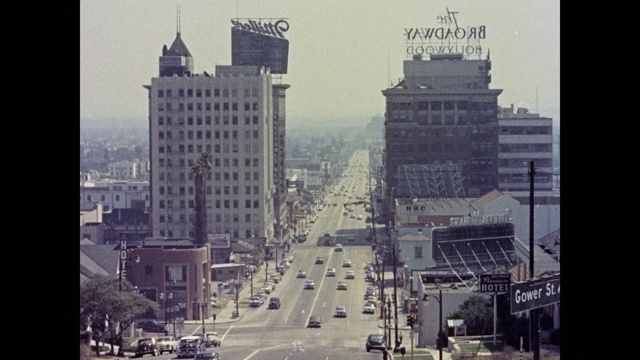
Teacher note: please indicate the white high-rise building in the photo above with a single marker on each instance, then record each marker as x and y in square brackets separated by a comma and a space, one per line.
[228, 114]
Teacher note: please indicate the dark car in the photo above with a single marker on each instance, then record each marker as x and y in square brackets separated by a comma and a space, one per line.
[146, 346]
[152, 326]
[274, 303]
[314, 321]
[376, 341]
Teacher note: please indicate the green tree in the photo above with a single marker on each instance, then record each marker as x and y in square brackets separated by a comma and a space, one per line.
[108, 311]
[200, 170]
[477, 313]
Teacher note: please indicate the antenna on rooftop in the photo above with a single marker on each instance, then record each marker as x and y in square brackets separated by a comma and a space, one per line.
[178, 20]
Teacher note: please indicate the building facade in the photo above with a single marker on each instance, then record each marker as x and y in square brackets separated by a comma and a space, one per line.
[443, 113]
[524, 137]
[228, 115]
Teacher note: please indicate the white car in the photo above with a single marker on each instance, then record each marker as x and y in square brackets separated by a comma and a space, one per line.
[338, 247]
[369, 308]
[331, 272]
[350, 275]
[309, 284]
[346, 263]
[341, 311]
[256, 301]
[301, 274]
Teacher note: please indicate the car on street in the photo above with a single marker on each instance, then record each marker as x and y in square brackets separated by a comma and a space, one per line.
[369, 308]
[256, 301]
[208, 355]
[376, 341]
[309, 284]
[276, 278]
[338, 247]
[341, 311]
[331, 272]
[212, 338]
[271, 284]
[262, 294]
[166, 344]
[189, 346]
[371, 291]
[346, 263]
[151, 326]
[319, 260]
[146, 346]
[314, 321]
[327, 233]
[301, 274]
[266, 288]
[274, 303]
[350, 275]
[342, 285]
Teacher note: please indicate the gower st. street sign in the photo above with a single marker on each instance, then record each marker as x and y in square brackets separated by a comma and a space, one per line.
[535, 293]
[494, 282]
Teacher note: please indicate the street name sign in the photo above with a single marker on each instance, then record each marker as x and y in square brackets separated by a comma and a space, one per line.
[535, 293]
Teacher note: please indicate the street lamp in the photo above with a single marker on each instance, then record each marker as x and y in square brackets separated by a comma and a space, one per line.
[164, 304]
[439, 299]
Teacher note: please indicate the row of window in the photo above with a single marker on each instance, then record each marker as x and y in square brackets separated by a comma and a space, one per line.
[207, 92]
[444, 105]
[168, 106]
[526, 130]
[439, 119]
[218, 230]
[217, 134]
[218, 190]
[228, 218]
[248, 120]
[440, 132]
[448, 147]
[219, 204]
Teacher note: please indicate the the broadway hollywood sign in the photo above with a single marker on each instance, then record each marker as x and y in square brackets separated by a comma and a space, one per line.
[447, 37]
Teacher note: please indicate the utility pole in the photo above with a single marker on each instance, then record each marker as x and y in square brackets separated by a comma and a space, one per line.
[535, 339]
[395, 290]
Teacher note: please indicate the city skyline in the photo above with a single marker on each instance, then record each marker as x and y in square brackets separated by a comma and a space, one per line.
[341, 54]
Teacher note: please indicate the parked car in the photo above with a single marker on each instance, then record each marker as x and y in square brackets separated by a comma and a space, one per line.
[207, 355]
[266, 288]
[341, 311]
[369, 309]
[166, 344]
[314, 321]
[274, 303]
[151, 326]
[376, 341]
[256, 301]
[351, 238]
[309, 284]
[146, 346]
[212, 339]
[190, 346]
[276, 278]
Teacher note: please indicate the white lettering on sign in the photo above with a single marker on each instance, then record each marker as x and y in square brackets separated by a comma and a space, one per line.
[494, 288]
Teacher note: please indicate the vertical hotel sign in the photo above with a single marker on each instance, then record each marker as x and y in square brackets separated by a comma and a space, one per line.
[448, 36]
[123, 257]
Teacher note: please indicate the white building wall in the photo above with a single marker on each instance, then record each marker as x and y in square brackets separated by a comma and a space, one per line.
[239, 85]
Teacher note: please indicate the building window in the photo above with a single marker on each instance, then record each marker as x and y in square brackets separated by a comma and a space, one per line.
[418, 252]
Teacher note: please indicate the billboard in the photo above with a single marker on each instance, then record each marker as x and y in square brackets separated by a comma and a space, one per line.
[219, 241]
[260, 44]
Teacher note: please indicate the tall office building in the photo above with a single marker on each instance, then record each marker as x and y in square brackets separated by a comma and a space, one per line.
[229, 115]
[441, 129]
[524, 137]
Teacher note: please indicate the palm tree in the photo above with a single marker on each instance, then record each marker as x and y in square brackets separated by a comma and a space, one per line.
[201, 168]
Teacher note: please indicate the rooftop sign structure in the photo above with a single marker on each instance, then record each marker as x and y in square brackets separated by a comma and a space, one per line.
[258, 43]
[447, 37]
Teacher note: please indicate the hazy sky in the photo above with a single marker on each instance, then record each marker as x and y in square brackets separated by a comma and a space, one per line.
[342, 53]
